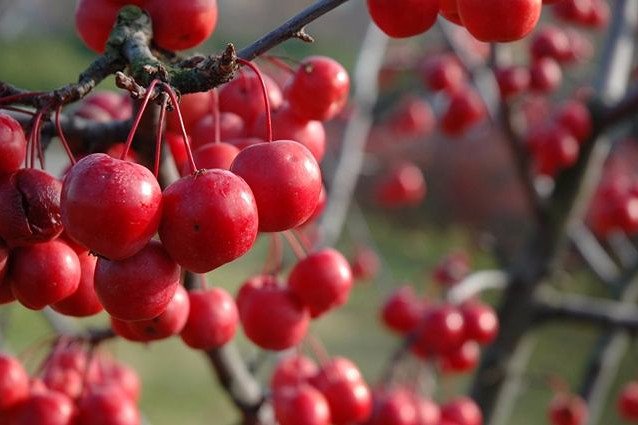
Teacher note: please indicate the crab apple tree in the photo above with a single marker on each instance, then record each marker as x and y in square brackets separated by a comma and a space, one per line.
[253, 205]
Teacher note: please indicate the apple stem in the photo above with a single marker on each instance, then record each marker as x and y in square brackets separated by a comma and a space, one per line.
[20, 96]
[16, 109]
[189, 152]
[138, 118]
[275, 256]
[303, 238]
[317, 348]
[63, 141]
[33, 142]
[216, 116]
[279, 63]
[297, 248]
[160, 133]
[264, 92]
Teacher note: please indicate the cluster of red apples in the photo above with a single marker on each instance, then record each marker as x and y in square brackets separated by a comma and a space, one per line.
[335, 393]
[109, 237]
[614, 206]
[449, 336]
[493, 21]
[72, 386]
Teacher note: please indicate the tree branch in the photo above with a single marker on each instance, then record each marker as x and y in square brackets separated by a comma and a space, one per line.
[348, 167]
[236, 379]
[552, 306]
[476, 283]
[292, 28]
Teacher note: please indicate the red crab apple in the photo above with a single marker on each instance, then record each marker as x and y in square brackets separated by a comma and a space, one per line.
[449, 9]
[512, 80]
[44, 273]
[287, 125]
[44, 407]
[180, 25]
[139, 287]
[243, 96]
[350, 401]
[412, 118]
[403, 186]
[628, 402]
[403, 310]
[463, 359]
[13, 145]
[575, 117]
[83, 302]
[212, 320]
[231, 126]
[567, 409]
[411, 18]
[365, 263]
[464, 110]
[394, 407]
[553, 148]
[322, 281]
[441, 330]
[14, 382]
[285, 179]
[427, 412]
[213, 155]
[481, 322]
[319, 89]
[442, 72]
[462, 411]
[107, 405]
[293, 370]
[116, 105]
[499, 20]
[209, 219]
[546, 75]
[94, 20]
[110, 206]
[272, 317]
[301, 405]
[193, 106]
[551, 42]
[169, 323]
[336, 368]
[29, 207]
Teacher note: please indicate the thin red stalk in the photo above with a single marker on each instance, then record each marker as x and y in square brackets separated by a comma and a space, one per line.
[203, 284]
[160, 132]
[39, 144]
[65, 143]
[264, 92]
[17, 97]
[279, 63]
[318, 349]
[296, 247]
[189, 152]
[275, 255]
[16, 109]
[216, 116]
[33, 139]
[303, 238]
[138, 118]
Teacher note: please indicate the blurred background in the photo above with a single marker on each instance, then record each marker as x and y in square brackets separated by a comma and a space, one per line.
[473, 200]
